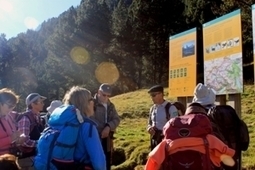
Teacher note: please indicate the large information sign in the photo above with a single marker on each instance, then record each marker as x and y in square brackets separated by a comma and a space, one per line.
[182, 63]
[222, 39]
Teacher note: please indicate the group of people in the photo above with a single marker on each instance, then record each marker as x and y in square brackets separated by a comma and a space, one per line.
[20, 132]
[164, 114]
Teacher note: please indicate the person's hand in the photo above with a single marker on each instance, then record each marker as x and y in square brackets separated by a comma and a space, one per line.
[22, 138]
[18, 137]
[151, 131]
[105, 132]
[15, 136]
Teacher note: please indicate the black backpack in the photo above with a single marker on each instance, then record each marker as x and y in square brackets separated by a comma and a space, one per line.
[233, 129]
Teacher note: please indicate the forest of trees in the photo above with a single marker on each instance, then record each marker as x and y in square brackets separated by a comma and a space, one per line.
[123, 42]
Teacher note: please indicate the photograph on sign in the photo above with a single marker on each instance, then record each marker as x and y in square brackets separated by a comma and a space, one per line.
[188, 48]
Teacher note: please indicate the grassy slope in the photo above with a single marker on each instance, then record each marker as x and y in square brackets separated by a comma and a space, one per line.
[133, 138]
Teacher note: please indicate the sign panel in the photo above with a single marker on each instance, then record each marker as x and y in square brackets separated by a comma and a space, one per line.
[223, 66]
[182, 63]
[253, 34]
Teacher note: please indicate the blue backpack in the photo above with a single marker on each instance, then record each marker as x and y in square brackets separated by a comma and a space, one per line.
[58, 141]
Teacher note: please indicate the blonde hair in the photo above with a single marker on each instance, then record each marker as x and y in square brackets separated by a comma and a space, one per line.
[7, 95]
[8, 161]
[79, 97]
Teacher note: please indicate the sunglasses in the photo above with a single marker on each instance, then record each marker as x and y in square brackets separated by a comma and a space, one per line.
[106, 95]
[154, 94]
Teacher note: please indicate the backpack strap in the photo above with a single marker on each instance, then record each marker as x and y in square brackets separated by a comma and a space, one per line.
[92, 123]
[1, 123]
[167, 107]
[152, 110]
[30, 117]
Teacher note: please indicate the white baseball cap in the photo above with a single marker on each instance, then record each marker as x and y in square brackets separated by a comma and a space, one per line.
[53, 105]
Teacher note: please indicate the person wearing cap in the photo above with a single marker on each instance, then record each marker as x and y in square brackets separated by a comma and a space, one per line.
[53, 105]
[107, 119]
[157, 115]
[29, 124]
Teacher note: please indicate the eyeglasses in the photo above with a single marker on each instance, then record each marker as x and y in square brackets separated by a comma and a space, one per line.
[106, 95]
[154, 94]
[10, 105]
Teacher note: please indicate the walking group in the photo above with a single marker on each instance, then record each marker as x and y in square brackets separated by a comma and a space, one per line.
[203, 136]
[77, 132]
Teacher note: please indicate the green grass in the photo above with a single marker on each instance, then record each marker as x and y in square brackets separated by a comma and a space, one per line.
[132, 138]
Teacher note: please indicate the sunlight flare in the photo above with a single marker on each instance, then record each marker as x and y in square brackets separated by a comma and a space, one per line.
[80, 55]
[6, 6]
[31, 23]
[107, 72]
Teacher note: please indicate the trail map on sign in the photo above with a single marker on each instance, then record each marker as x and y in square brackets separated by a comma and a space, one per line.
[224, 74]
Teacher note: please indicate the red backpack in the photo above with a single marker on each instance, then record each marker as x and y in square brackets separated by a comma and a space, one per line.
[192, 125]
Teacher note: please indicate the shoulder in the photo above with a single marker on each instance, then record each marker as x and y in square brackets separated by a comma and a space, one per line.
[110, 104]
[170, 106]
[24, 116]
[88, 128]
[89, 122]
[154, 105]
[173, 110]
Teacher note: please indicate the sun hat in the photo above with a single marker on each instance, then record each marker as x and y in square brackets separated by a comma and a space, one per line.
[53, 105]
[204, 95]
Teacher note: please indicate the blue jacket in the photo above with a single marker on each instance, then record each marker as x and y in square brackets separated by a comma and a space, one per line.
[89, 148]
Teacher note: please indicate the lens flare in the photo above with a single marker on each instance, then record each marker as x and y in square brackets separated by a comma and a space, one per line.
[6, 6]
[107, 72]
[31, 23]
[80, 55]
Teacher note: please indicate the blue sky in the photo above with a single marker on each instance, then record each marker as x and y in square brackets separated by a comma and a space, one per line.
[17, 16]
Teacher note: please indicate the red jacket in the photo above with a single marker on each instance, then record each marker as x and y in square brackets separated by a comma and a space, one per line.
[216, 149]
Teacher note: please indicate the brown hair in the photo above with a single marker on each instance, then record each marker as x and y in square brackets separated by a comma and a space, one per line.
[8, 96]
[180, 107]
[9, 162]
